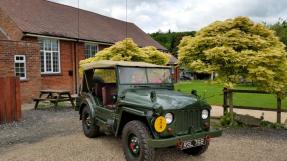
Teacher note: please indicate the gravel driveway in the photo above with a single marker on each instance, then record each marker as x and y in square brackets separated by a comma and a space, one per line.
[49, 135]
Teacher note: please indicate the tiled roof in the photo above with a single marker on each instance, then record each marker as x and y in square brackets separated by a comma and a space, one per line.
[52, 19]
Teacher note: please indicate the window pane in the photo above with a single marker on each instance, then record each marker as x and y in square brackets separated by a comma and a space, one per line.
[105, 75]
[17, 70]
[41, 44]
[92, 53]
[48, 62]
[55, 45]
[86, 53]
[55, 62]
[20, 70]
[93, 47]
[132, 75]
[90, 50]
[47, 44]
[156, 75]
[50, 56]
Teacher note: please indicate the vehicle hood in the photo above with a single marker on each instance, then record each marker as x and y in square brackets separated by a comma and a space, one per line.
[167, 99]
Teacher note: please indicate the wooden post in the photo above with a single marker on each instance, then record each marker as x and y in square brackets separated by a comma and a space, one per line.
[279, 104]
[225, 100]
[231, 105]
[18, 100]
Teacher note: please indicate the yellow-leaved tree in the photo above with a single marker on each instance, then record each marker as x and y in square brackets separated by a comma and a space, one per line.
[128, 50]
[238, 49]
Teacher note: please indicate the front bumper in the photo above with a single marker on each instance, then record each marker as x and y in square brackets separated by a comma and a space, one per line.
[173, 141]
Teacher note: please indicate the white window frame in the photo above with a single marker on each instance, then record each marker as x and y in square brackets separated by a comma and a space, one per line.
[90, 43]
[21, 61]
[50, 51]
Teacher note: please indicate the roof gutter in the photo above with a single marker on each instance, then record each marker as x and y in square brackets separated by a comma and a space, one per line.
[66, 38]
[74, 39]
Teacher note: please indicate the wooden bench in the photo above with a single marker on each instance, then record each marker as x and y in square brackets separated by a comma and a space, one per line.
[54, 96]
[37, 100]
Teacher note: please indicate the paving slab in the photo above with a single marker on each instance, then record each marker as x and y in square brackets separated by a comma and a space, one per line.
[271, 116]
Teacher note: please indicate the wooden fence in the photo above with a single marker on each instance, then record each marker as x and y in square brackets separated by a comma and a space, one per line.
[10, 99]
[228, 102]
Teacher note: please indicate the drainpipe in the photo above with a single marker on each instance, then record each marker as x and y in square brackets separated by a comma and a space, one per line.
[73, 67]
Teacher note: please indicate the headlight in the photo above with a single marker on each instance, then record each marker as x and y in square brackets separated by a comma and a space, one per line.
[169, 118]
[204, 114]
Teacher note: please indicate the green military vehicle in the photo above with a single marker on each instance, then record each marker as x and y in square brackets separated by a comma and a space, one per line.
[137, 101]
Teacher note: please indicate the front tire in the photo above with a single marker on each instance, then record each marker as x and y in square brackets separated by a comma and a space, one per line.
[134, 139]
[196, 151]
[90, 129]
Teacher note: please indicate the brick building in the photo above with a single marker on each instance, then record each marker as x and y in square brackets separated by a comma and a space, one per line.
[22, 59]
[50, 39]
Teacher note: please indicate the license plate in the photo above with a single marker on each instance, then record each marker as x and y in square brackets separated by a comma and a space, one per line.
[192, 143]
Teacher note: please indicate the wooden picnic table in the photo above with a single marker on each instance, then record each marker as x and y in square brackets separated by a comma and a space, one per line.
[54, 96]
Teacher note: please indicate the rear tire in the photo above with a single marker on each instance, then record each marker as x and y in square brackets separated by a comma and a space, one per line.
[90, 129]
[134, 139]
[196, 151]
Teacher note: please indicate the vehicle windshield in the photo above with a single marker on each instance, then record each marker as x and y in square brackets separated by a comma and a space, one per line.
[136, 75]
[106, 75]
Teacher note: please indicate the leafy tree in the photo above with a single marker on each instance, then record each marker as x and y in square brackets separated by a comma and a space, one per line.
[128, 50]
[280, 28]
[155, 56]
[238, 49]
[171, 40]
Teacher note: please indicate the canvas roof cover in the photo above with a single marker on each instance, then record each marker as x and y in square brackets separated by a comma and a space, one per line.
[113, 64]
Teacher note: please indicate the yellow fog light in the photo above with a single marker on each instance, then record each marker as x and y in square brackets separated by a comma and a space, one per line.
[160, 124]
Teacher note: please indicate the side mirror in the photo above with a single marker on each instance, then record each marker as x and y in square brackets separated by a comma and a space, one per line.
[194, 92]
[115, 97]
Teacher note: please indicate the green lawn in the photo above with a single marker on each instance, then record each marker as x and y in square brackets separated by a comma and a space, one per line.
[214, 95]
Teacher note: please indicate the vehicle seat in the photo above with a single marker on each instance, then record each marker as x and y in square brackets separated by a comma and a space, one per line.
[108, 91]
[99, 90]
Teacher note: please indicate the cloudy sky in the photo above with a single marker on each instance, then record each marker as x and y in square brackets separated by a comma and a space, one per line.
[183, 15]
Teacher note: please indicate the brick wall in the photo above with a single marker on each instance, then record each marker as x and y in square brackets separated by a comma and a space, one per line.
[65, 79]
[35, 80]
[30, 87]
[101, 46]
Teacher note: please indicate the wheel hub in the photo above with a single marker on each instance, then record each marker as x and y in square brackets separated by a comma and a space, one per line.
[88, 120]
[134, 145]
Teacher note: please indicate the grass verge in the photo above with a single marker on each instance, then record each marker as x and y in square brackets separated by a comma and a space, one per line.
[213, 94]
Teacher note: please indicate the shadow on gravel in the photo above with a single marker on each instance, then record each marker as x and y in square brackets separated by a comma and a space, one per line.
[39, 124]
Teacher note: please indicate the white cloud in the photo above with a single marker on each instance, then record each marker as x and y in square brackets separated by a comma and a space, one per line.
[183, 15]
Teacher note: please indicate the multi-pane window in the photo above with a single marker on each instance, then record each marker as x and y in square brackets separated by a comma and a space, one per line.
[90, 50]
[50, 56]
[20, 66]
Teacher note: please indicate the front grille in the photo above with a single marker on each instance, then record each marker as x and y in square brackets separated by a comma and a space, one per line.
[187, 121]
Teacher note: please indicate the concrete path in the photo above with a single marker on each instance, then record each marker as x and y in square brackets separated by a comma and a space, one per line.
[271, 116]
[217, 111]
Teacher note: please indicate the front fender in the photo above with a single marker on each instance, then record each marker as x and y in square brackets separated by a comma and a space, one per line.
[128, 114]
[88, 100]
